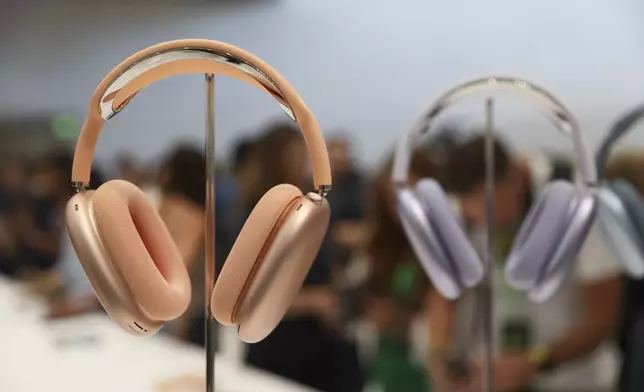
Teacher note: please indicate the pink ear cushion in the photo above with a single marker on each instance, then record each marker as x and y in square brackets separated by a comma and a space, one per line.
[241, 260]
[142, 249]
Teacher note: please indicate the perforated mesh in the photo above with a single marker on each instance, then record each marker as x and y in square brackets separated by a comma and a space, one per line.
[137, 241]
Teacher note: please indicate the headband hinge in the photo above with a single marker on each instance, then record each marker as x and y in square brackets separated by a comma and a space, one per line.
[79, 186]
[324, 190]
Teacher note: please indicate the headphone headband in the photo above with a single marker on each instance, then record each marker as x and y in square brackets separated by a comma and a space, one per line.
[551, 107]
[616, 132]
[186, 57]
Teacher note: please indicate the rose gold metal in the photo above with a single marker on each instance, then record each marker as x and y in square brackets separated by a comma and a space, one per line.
[283, 268]
[260, 258]
[107, 281]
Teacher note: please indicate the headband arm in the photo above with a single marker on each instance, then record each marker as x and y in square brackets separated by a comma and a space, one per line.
[187, 57]
[554, 110]
[616, 132]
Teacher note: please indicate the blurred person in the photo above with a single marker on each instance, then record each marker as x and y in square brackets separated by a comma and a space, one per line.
[245, 167]
[348, 234]
[13, 189]
[183, 185]
[347, 199]
[36, 216]
[307, 346]
[564, 344]
[181, 207]
[14, 183]
[398, 285]
[129, 170]
[50, 189]
[628, 166]
[245, 174]
[9, 249]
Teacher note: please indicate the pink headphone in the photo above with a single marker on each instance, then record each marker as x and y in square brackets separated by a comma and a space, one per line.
[127, 252]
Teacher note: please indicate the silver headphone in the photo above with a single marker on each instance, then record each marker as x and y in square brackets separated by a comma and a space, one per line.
[551, 235]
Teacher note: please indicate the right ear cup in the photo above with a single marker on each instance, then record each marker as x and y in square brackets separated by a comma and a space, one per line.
[237, 274]
[142, 249]
[621, 219]
[550, 237]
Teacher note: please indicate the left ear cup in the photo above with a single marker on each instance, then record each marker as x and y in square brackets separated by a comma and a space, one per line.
[621, 219]
[142, 249]
[448, 231]
[430, 254]
[551, 236]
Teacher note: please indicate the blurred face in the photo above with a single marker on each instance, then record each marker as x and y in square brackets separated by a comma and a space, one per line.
[339, 155]
[390, 194]
[46, 181]
[14, 176]
[294, 159]
[508, 194]
[130, 172]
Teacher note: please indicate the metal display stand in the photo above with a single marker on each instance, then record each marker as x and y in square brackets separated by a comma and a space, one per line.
[487, 298]
[209, 233]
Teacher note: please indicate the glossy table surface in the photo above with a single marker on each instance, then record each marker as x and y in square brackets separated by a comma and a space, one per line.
[89, 353]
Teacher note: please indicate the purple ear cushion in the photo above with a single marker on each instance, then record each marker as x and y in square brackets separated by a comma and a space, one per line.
[428, 249]
[551, 235]
[456, 247]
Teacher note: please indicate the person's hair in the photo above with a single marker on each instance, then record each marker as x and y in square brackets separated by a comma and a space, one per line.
[185, 167]
[463, 170]
[61, 161]
[389, 245]
[627, 165]
[242, 153]
[270, 148]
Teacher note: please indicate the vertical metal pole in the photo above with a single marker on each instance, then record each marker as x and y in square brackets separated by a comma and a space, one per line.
[209, 232]
[487, 298]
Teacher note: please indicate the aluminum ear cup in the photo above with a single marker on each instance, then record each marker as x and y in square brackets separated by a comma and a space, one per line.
[551, 235]
[457, 248]
[428, 250]
[620, 211]
[105, 229]
[269, 261]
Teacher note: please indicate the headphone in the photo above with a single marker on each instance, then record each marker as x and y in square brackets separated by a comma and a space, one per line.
[620, 205]
[551, 235]
[128, 254]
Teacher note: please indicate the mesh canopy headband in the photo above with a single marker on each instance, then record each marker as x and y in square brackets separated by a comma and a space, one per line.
[550, 106]
[200, 57]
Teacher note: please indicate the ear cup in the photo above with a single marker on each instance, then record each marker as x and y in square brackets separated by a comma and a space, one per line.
[545, 289]
[428, 249]
[237, 272]
[551, 236]
[621, 219]
[633, 202]
[449, 233]
[142, 249]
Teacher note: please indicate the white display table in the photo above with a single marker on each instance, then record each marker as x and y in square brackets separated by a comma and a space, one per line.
[90, 353]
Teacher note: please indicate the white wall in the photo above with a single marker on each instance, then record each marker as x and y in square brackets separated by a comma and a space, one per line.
[367, 66]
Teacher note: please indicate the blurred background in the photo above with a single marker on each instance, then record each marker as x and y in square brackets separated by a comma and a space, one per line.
[366, 69]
